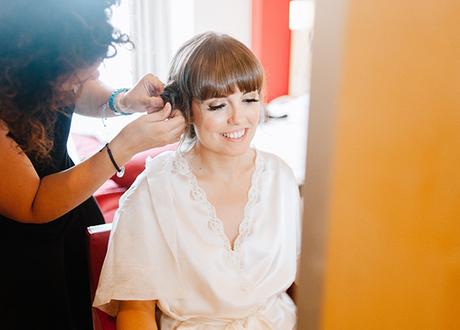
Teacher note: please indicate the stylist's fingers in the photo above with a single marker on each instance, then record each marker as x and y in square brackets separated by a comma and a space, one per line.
[177, 121]
[153, 103]
[175, 131]
[175, 124]
[153, 85]
[176, 113]
[144, 96]
[160, 115]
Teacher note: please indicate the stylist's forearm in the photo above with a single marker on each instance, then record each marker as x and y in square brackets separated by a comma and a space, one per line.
[59, 193]
[92, 96]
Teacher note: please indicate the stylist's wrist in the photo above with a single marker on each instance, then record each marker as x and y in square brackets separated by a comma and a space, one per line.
[123, 148]
[122, 104]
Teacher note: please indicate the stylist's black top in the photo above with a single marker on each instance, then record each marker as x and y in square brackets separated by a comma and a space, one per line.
[44, 273]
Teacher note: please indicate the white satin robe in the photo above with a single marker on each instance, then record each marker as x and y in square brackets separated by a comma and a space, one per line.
[167, 244]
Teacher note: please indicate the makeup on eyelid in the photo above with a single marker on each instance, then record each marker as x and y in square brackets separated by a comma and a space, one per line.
[227, 124]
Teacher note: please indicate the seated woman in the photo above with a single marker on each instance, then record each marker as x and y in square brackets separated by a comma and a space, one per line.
[209, 234]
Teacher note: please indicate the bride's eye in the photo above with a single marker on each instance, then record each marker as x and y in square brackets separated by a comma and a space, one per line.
[216, 107]
[251, 100]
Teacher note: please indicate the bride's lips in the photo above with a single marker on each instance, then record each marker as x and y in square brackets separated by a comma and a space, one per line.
[235, 135]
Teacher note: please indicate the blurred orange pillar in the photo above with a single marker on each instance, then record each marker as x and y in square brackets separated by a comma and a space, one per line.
[383, 170]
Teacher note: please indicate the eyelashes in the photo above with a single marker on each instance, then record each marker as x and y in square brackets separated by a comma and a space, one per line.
[251, 100]
[222, 105]
[216, 107]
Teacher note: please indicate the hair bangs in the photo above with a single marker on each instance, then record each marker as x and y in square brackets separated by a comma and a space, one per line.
[222, 67]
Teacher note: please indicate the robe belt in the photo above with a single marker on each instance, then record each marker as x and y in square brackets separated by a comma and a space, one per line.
[255, 321]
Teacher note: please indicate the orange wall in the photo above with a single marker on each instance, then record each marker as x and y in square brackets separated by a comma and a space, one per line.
[393, 207]
[271, 42]
[394, 253]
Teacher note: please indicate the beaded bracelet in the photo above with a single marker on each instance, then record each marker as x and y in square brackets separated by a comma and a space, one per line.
[113, 104]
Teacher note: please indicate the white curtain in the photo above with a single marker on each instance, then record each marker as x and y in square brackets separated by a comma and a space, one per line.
[159, 27]
[151, 33]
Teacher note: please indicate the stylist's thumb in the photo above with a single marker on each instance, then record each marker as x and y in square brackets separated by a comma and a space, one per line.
[161, 115]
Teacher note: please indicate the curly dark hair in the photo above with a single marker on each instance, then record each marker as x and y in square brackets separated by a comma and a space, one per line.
[42, 43]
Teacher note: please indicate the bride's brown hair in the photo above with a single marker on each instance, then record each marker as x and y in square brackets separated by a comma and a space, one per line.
[211, 65]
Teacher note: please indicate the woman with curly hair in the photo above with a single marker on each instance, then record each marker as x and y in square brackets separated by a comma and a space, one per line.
[49, 54]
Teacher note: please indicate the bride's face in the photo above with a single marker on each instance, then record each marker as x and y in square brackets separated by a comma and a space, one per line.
[226, 125]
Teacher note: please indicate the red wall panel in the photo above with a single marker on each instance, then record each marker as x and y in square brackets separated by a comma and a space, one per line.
[271, 42]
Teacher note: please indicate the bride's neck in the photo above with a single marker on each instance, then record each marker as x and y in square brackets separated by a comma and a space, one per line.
[210, 164]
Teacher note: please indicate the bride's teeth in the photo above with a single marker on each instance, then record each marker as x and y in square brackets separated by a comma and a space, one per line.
[234, 135]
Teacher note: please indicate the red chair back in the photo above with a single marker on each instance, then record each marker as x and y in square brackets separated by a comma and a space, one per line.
[98, 241]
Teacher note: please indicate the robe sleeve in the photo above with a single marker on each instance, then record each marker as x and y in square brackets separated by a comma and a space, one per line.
[141, 261]
[295, 208]
[295, 202]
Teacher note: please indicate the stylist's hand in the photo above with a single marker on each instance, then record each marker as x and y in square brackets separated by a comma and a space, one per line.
[154, 130]
[144, 96]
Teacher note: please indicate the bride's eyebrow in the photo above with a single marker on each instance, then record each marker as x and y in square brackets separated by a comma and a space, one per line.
[213, 99]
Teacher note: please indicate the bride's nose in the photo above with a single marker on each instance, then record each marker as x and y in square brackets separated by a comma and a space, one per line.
[235, 115]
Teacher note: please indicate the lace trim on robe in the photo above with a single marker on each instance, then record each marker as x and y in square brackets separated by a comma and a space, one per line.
[181, 166]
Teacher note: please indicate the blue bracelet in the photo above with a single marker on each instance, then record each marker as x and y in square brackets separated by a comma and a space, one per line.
[112, 104]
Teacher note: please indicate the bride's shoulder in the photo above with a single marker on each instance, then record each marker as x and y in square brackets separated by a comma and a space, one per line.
[275, 165]
[271, 160]
[160, 163]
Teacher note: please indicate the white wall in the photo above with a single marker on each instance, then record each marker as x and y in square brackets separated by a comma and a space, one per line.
[232, 17]
[301, 24]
